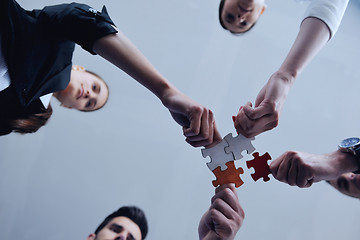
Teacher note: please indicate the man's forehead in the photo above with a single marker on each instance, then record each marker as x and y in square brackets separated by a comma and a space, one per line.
[127, 224]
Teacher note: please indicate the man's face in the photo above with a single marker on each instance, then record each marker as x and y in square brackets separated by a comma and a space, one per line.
[348, 184]
[240, 15]
[119, 228]
[85, 91]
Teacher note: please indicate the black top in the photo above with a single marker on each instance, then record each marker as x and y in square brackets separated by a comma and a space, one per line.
[38, 47]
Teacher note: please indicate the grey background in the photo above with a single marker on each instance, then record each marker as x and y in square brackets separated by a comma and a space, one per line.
[60, 182]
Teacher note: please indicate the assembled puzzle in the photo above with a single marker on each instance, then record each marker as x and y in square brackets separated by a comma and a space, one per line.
[224, 154]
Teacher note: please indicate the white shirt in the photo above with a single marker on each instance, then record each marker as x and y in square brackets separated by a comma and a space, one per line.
[5, 79]
[330, 12]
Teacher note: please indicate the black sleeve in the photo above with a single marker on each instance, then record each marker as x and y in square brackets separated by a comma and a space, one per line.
[76, 22]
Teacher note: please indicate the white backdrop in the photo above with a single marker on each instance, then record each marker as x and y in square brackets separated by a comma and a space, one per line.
[60, 182]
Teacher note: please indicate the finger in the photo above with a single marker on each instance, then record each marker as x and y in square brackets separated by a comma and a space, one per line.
[211, 123]
[224, 208]
[258, 112]
[251, 128]
[283, 170]
[217, 218]
[207, 133]
[195, 122]
[235, 216]
[309, 183]
[293, 172]
[217, 136]
[305, 178]
[229, 196]
[243, 124]
[199, 130]
[231, 186]
[206, 129]
[274, 166]
[203, 143]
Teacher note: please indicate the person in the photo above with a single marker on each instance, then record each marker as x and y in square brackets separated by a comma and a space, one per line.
[128, 222]
[322, 19]
[348, 184]
[224, 217]
[239, 16]
[221, 221]
[37, 48]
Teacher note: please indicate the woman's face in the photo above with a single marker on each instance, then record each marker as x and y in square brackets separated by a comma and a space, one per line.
[348, 184]
[85, 91]
[240, 15]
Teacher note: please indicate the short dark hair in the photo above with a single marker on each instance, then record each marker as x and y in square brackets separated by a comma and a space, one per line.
[134, 213]
[221, 7]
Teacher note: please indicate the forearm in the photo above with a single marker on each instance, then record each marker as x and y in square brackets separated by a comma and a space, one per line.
[313, 35]
[343, 162]
[118, 49]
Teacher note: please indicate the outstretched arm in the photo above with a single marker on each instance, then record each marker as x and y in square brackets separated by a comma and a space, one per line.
[322, 20]
[303, 169]
[197, 121]
[250, 121]
[224, 217]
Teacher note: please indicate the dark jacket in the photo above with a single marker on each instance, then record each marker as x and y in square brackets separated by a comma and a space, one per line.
[38, 47]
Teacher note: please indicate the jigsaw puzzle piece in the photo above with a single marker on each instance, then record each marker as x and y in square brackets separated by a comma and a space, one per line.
[238, 144]
[217, 155]
[260, 165]
[230, 175]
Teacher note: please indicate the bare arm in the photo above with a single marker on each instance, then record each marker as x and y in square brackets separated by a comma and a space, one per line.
[313, 35]
[303, 169]
[119, 50]
[197, 121]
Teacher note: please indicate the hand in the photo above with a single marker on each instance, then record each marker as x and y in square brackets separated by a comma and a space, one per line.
[198, 122]
[303, 169]
[269, 102]
[224, 217]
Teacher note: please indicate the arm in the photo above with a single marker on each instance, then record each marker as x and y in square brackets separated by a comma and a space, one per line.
[330, 12]
[224, 217]
[303, 169]
[197, 121]
[250, 122]
[322, 21]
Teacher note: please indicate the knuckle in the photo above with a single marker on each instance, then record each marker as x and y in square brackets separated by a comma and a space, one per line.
[216, 202]
[205, 135]
[271, 107]
[291, 155]
[197, 110]
[275, 123]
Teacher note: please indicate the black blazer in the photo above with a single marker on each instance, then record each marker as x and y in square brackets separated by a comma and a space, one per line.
[38, 47]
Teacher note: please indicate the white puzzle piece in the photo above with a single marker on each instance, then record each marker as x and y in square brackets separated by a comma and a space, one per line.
[218, 155]
[238, 144]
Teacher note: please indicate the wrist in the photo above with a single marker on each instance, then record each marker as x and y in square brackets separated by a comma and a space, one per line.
[163, 91]
[166, 92]
[287, 77]
[344, 162]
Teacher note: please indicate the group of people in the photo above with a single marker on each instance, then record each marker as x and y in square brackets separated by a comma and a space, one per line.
[36, 63]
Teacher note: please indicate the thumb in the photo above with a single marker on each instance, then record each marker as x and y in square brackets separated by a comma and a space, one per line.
[257, 112]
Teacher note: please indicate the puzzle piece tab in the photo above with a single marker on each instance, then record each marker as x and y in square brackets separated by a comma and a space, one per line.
[238, 144]
[230, 175]
[260, 165]
[217, 155]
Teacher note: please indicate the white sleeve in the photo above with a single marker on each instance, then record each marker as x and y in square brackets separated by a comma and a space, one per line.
[330, 12]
